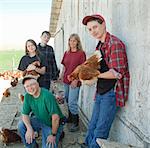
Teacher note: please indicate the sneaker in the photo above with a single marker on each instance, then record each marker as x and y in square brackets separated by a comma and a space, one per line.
[74, 128]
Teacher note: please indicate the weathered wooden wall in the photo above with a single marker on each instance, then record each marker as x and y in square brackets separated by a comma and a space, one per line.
[130, 21]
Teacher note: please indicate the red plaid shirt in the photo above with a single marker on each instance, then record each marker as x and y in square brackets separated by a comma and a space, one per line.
[116, 58]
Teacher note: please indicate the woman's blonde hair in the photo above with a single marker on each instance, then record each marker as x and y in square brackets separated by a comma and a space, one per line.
[76, 36]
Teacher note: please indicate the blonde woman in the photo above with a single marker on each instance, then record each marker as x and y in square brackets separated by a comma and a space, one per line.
[73, 57]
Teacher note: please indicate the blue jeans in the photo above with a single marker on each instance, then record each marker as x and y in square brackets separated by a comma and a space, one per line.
[71, 96]
[37, 125]
[103, 114]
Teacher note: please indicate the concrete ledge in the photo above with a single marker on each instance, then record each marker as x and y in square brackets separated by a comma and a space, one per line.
[111, 144]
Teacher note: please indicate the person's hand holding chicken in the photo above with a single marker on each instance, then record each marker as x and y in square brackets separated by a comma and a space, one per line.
[87, 72]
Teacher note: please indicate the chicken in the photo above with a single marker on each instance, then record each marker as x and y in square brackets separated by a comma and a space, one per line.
[21, 97]
[60, 97]
[88, 73]
[36, 63]
[6, 93]
[32, 72]
[88, 70]
[75, 74]
[59, 94]
[1, 75]
[8, 136]
[8, 75]
[14, 82]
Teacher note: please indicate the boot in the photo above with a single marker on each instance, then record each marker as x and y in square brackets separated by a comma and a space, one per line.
[75, 125]
[69, 119]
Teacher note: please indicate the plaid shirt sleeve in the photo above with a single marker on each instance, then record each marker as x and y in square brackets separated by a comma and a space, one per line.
[118, 58]
[118, 61]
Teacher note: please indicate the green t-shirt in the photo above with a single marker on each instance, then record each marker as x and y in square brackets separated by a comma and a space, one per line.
[43, 107]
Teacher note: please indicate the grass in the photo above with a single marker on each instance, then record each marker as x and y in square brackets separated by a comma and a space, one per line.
[9, 60]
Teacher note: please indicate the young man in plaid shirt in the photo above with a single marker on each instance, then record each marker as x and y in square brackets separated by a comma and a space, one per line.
[113, 81]
[52, 71]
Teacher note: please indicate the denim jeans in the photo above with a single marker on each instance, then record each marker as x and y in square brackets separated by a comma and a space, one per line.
[71, 96]
[37, 125]
[103, 114]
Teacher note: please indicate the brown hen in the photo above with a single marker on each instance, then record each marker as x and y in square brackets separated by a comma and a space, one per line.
[6, 93]
[88, 70]
[8, 136]
[32, 72]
